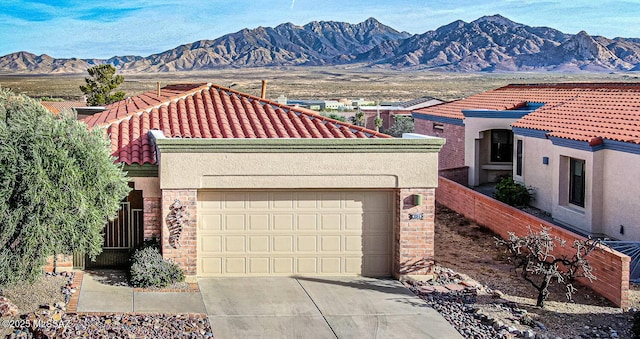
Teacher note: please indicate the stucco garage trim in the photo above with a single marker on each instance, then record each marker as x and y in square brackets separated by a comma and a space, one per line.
[373, 145]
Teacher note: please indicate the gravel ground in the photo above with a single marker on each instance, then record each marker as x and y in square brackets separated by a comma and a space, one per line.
[42, 316]
[116, 326]
[464, 247]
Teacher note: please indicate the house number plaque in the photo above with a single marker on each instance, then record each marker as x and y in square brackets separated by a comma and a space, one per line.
[416, 216]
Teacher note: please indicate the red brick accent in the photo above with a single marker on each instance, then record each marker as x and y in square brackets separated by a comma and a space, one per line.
[185, 255]
[72, 306]
[414, 248]
[452, 153]
[152, 217]
[65, 263]
[610, 267]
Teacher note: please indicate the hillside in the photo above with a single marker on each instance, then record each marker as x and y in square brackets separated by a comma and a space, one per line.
[488, 44]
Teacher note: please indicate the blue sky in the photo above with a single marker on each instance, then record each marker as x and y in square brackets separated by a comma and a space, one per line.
[102, 29]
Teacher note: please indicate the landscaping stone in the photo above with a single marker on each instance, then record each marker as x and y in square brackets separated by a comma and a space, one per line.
[60, 325]
[7, 308]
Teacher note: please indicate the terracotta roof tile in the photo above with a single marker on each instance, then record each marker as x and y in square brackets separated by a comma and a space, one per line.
[577, 111]
[56, 107]
[209, 111]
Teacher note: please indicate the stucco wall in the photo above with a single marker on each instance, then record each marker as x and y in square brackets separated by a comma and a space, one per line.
[150, 186]
[582, 218]
[611, 196]
[476, 138]
[621, 197]
[298, 170]
[551, 183]
[535, 173]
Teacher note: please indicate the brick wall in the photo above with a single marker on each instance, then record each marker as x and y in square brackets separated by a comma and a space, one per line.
[459, 175]
[610, 267]
[414, 247]
[452, 153]
[152, 217]
[186, 254]
[64, 263]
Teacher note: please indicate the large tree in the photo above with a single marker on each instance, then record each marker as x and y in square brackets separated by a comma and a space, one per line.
[101, 82]
[58, 187]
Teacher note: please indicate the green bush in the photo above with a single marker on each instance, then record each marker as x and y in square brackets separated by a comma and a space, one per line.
[149, 269]
[513, 193]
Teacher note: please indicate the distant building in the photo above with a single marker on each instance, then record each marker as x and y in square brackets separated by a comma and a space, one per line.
[388, 111]
[347, 108]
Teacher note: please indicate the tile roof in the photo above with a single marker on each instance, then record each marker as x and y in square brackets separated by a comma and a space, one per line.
[576, 111]
[209, 111]
[56, 107]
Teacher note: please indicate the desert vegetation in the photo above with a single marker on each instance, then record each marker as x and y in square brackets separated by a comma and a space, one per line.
[313, 82]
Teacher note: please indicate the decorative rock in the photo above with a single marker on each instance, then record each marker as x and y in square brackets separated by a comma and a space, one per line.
[426, 289]
[514, 331]
[540, 325]
[497, 294]
[48, 307]
[529, 334]
[455, 287]
[7, 308]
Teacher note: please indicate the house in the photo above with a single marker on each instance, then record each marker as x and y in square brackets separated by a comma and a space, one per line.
[56, 107]
[269, 189]
[576, 144]
[390, 110]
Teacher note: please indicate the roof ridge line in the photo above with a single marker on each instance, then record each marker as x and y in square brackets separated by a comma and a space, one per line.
[158, 106]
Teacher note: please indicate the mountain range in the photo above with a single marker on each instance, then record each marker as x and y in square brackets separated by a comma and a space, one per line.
[488, 44]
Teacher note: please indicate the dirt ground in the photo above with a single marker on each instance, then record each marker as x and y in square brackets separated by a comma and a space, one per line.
[470, 249]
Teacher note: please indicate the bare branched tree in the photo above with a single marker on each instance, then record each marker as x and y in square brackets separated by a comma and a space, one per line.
[533, 256]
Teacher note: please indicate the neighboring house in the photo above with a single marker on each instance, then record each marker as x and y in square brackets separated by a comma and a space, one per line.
[576, 144]
[56, 107]
[388, 111]
[270, 189]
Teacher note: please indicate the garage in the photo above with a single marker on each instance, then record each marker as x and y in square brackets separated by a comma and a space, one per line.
[295, 232]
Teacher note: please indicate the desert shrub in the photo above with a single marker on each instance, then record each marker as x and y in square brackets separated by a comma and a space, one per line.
[149, 269]
[513, 193]
[535, 257]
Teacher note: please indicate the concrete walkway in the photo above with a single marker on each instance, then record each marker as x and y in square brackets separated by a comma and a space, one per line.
[106, 291]
[279, 307]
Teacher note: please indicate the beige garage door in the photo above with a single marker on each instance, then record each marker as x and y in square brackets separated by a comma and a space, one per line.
[295, 232]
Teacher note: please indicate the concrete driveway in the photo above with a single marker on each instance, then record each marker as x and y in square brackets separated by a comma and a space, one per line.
[318, 308]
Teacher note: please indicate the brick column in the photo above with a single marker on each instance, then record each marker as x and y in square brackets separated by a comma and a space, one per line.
[186, 254]
[152, 210]
[414, 237]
